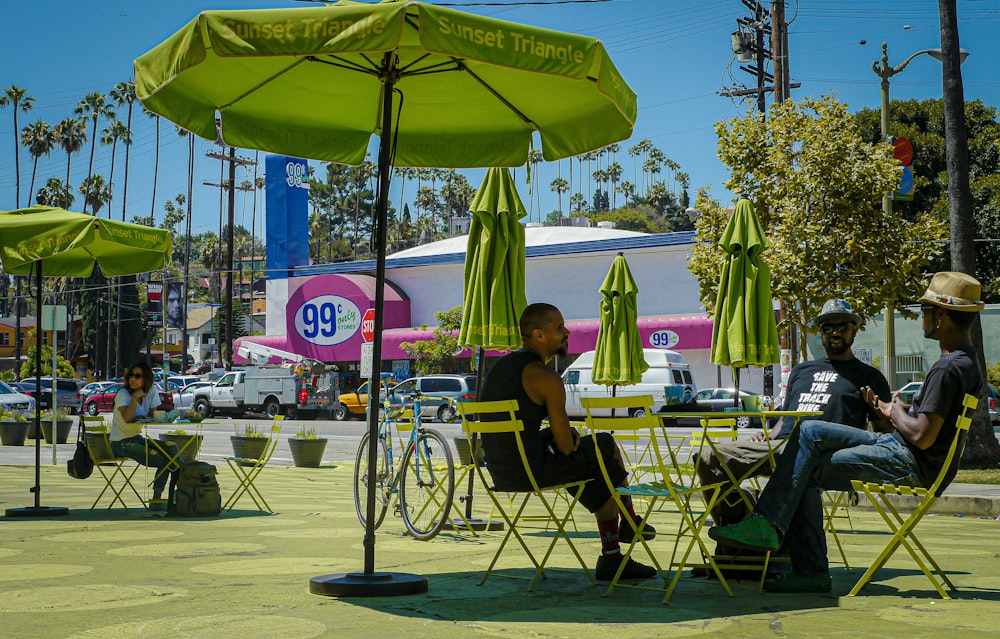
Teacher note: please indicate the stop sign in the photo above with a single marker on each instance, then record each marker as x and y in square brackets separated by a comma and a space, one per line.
[368, 326]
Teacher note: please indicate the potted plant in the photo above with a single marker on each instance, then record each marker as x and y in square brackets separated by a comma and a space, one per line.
[188, 443]
[13, 428]
[307, 448]
[63, 425]
[248, 443]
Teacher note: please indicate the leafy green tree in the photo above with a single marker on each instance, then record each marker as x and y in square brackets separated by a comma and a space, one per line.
[816, 186]
[438, 355]
[63, 366]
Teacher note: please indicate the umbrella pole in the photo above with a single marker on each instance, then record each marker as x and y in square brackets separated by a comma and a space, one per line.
[38, 510]
[371, 583]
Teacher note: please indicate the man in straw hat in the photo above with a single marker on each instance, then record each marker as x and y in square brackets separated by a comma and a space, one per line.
[826, 456]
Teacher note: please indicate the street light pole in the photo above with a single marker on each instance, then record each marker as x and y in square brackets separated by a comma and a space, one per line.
[884, 71]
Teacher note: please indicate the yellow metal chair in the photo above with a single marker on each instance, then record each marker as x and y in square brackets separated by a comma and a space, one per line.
[881, 497]
[837, 505]
[661, 489]
[515, 510]
[247, 470]
[117, 472]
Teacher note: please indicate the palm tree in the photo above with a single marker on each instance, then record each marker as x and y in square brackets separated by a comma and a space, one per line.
[18, 98]
[116, 130]
[70, 135]
[93, 106]
[560, 186]
[38, 139]
[627, 189]
[156, 163]
[96, 192]
[614, 172]
[577, 200]
[123, 93]
[56, 193]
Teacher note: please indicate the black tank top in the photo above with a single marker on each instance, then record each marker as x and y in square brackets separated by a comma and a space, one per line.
[504, 382]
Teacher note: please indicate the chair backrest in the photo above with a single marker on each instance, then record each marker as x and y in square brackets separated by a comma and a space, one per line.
[504, 416]
[272, 441]
[647, 426]
[99, 441]
[947, 472]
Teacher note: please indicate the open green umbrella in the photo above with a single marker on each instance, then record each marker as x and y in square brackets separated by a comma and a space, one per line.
[744, 333]
[42, 240]
[439, 87]
[494, 266]
[618, 357]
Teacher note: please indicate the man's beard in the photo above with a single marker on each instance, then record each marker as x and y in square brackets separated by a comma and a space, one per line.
[563, 349]
[842, 346]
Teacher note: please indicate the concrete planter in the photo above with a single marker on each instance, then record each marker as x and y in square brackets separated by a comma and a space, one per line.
[248, 447]
[63, 427]
[307, 453]
[189, 451]
[13, 433]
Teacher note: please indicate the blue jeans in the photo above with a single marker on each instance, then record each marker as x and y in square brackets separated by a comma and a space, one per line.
[148, 454]
[826, 456]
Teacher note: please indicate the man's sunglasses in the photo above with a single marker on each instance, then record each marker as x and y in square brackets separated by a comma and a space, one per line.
[841, 327]
[926, 307]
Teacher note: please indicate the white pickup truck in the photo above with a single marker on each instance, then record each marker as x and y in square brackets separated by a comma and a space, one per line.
[295, 391]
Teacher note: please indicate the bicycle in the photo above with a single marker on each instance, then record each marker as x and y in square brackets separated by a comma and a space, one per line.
[423, 482]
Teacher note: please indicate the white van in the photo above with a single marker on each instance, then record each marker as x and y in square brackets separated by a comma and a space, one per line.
[668, 380]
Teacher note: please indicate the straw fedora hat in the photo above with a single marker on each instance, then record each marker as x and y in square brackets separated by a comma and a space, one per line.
[957, 291]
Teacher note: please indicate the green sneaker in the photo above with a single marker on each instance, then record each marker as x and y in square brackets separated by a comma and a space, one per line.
[794, 582]
[753, 532]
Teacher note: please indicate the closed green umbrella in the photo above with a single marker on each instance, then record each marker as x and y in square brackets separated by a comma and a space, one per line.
[494, 266]
[618, 357]
[42, 240]
[439, 87]
[744, 333]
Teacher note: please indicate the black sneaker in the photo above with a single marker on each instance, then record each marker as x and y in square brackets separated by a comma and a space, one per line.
[625, 531]
[608, 566]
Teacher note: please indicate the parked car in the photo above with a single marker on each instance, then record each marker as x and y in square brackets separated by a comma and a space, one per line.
[355, 403]
[104, 400]
[432, 388]
[183, 380]
[199, 369]
[68, 393]
[994, 404]
[907, 392]
[184, 397]
[723, 399]
[93, 387]
[14, 400]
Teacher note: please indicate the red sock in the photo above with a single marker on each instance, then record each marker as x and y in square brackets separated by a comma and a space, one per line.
[609, 537]
[627, 502]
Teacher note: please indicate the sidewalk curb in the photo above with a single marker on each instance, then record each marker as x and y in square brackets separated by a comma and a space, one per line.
[968, 505]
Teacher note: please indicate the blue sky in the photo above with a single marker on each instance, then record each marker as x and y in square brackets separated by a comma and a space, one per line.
[675, 54]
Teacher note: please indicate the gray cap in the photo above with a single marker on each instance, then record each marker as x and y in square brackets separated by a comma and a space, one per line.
[834, 309]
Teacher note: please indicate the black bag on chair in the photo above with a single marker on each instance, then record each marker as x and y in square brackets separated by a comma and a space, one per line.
[82, 465]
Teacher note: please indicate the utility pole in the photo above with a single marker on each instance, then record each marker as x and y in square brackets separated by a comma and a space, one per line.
[230, 184]
[749, 43]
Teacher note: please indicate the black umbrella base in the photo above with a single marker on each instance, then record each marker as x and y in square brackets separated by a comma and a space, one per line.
[478, 525]
[374, 584]
[38, 511]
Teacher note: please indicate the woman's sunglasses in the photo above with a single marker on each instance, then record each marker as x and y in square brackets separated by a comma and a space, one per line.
[139, 375]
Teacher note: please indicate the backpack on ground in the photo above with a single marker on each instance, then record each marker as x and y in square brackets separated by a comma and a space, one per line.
[197, 491]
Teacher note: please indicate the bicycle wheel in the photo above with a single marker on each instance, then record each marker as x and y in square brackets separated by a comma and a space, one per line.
[383, 480]
[427, 485]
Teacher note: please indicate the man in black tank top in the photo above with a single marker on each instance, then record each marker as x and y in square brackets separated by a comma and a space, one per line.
[556, 454]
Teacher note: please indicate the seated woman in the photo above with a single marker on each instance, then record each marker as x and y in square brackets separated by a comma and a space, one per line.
[135, 401]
